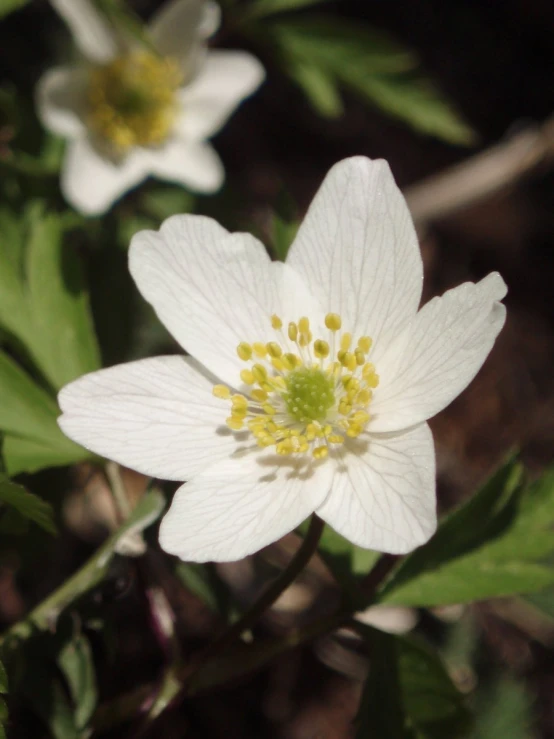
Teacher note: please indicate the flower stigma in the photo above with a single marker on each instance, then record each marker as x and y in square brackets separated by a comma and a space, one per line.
[308, 399]
[131, 101]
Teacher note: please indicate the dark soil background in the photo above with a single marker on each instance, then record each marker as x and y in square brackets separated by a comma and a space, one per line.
[495, 60]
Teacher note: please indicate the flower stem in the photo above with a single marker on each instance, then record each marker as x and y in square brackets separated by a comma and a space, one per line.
[268, 597]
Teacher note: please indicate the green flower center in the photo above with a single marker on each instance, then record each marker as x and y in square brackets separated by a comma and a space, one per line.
[310, 393]
[131, 101]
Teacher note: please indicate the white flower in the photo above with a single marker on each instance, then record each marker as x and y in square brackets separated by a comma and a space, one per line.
[129, 111]
[329, 413]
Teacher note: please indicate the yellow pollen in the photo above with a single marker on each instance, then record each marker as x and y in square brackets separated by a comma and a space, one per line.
[247, 377]
[305, 402]
[274, 350]
[259, 349]
[364, 344]
[244, 351]
[333, 321]
[131, 101]
[321, 348]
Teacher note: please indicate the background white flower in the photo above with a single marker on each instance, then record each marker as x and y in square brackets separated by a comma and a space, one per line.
[363, 459]
[129, 111]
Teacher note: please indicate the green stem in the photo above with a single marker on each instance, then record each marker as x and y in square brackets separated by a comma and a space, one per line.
[44, 616]
[113, 473]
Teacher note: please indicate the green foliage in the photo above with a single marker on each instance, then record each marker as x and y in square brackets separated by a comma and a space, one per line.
[8, 6]
[77, 666]
[45, 318]
[262, 8]
[504, 711]
[15, 498]
[347, 562]
[408, 693]
[322, 54]
[282, 236]
[43, 303]
[492, 546]
[32, 438]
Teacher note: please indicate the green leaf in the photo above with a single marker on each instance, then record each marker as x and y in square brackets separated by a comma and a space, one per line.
[283, 233]
[381, 712]
[76, 663]
[347, 562]
[262, 8]
[32, 438]
[413, 98]
[319, 87]
[321, 53]
[48, 699]
[3, 679]
[8, 6]
[408, 693]
[492, 546]
[504, 710]
[43, 303]
[202, 581]
[30, 506]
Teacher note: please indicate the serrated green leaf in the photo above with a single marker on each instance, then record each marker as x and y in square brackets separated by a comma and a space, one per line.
[8, 6]
[76, 663]
[28, 505]
[408, 693]
[371, 64]
[493, 546]
[42, 298]
[32, 438]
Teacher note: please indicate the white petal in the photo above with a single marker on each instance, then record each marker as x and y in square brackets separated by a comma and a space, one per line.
[358, 251]
[157, 416]
[179, 29]
[383, 492]
[195, 165]
[60, 100]
[213, 291]
[91, 32]
[241, 505]
[92, 183]
[437, 354]
[225, 79]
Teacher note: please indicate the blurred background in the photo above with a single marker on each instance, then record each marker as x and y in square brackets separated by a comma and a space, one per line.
[460, 91]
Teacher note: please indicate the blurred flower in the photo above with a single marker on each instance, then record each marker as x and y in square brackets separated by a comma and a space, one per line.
[333, 371]
[133, 109]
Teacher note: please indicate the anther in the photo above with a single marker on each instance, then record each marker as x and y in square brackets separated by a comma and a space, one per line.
[320, 452]
[274, 350]
[333, 321]
[259, 349]
[244, 351]
[276, 322]
[364, 343]
[321, 348]
[293, 331]
[247, 377]
[221, 391]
